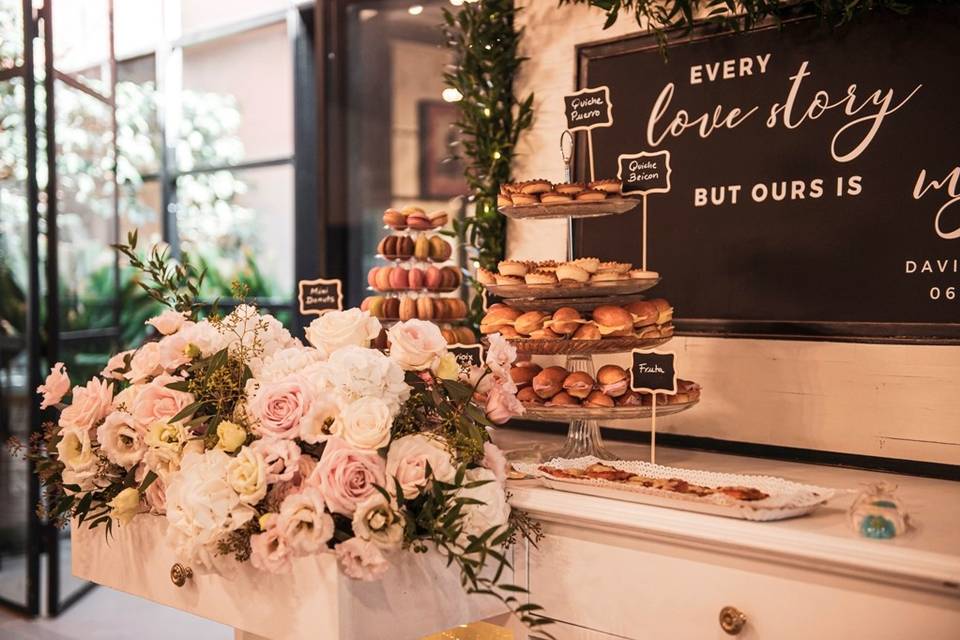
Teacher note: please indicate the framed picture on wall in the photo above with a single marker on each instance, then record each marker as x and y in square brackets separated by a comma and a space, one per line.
[441, 177]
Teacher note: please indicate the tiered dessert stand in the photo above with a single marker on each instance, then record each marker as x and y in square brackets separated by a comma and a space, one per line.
[583, 436]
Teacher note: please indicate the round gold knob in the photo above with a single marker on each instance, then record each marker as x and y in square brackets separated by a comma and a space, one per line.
[732, 620]
[179, 574]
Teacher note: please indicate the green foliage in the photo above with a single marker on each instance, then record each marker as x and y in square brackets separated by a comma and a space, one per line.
[486, 61]
[659, 16]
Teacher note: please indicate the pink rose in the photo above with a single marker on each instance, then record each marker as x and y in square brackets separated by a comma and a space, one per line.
[167, 322]
[173, 352]
[407, 461]
[89, 405]
[269, 550]
[361, 559]
[495, 461]
[416, 344]
[157, 403]
[502, 404]
[55, 386]
[346, 476]
[279, 408]
[282, 458]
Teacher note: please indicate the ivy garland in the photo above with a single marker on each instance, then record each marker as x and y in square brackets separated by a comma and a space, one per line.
[486, 61]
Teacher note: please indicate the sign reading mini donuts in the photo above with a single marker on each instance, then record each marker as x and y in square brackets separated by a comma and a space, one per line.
[653, 372]
[589, 108]
[316, 297]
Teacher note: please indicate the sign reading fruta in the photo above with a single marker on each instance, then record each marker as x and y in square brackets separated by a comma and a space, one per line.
[316, 297]
[467, 355]
[653, 372]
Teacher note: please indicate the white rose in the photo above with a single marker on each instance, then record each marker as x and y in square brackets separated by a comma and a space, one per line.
[247, 475]
[416, 344]
[493, 510]
[202, 506]
[407, 461]
[303, 523]
[120, 439]
[167, 322]
[336, 329]
[376, 521]
[365, 423]
[363, 372]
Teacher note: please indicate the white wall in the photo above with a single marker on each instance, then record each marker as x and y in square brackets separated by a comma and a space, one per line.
[894, 401]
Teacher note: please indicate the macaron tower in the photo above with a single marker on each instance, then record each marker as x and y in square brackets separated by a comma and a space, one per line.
[419, 279]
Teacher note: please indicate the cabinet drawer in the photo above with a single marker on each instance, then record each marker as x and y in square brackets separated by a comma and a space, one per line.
[639, 588]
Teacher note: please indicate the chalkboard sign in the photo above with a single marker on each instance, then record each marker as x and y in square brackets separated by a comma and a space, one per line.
[816, 182]
[488, 299]
[588, 108]
[643, 173]
[319, 296]
[653, 372]
[467, 355]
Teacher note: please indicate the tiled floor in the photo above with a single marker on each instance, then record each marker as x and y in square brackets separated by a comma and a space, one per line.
[105, 614]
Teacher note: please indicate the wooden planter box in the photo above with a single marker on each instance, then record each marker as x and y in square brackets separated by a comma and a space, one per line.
[418, 596]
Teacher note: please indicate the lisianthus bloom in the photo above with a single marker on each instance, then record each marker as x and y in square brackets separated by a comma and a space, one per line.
[361, 559]
[125, 505]
[121, 440]
[281, 456]
[407, 461]
[269, 550]
[376, 520]
[116, 366]
[55, 386]
[303, 523]
[167, 322]
[500, 356]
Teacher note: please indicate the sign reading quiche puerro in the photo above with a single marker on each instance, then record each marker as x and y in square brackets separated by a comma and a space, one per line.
[319, 296]
[653, 372]
[586, 110]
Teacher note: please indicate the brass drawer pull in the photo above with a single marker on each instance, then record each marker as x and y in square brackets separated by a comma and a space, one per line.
[179, 574]
[732, 620]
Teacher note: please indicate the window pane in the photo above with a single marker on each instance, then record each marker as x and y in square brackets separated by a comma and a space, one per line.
[14, 394]
[240, 224]
[86, 213]
[137, 26]
[225, 117]
[11, 33]
[81, 41]
[203, 14]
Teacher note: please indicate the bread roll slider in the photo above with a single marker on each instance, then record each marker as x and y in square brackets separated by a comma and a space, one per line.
[498, 316]
[578, 384]
[549, 382]
[523, 373]
[613, 380]
[613, 321]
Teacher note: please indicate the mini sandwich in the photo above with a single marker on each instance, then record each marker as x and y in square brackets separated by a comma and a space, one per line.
[523, 373]
[612, 380]
[578, 384]
[528, 396]
[565, 321]
[644, 312]
[549, 382]
[529, 322]
[498, 316]
[664, 310]
[563, 399]
[613, 321]
[588, 331]
[598, 399]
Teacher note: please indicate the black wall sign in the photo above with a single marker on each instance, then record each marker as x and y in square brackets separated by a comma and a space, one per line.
[644, 172]
[319, 296]
[653, 372]
[467, 355]
[819, 194]
[588, 108]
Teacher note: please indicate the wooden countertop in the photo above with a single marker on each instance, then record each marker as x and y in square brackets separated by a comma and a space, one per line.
[927, 556]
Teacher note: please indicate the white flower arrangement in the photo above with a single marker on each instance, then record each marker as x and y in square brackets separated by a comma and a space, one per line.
[256, 447]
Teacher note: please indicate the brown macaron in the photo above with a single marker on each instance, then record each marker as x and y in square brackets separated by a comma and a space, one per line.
[613, 380]
[465, 335]
[407, 309]
[425, 308]
[405, 247]
[391, 308]
[578, 384]
[598, 399]
[523, 373]
[440, 249]
[549, 382]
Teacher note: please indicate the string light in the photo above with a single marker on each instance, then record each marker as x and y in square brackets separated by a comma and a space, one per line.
[451, 95]
[415, 10]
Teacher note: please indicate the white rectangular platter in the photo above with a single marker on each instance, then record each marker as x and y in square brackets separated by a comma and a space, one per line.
[786, 499]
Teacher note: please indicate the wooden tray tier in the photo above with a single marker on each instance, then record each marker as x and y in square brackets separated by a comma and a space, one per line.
[544, 413]
[572, 289]
[584, 347]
